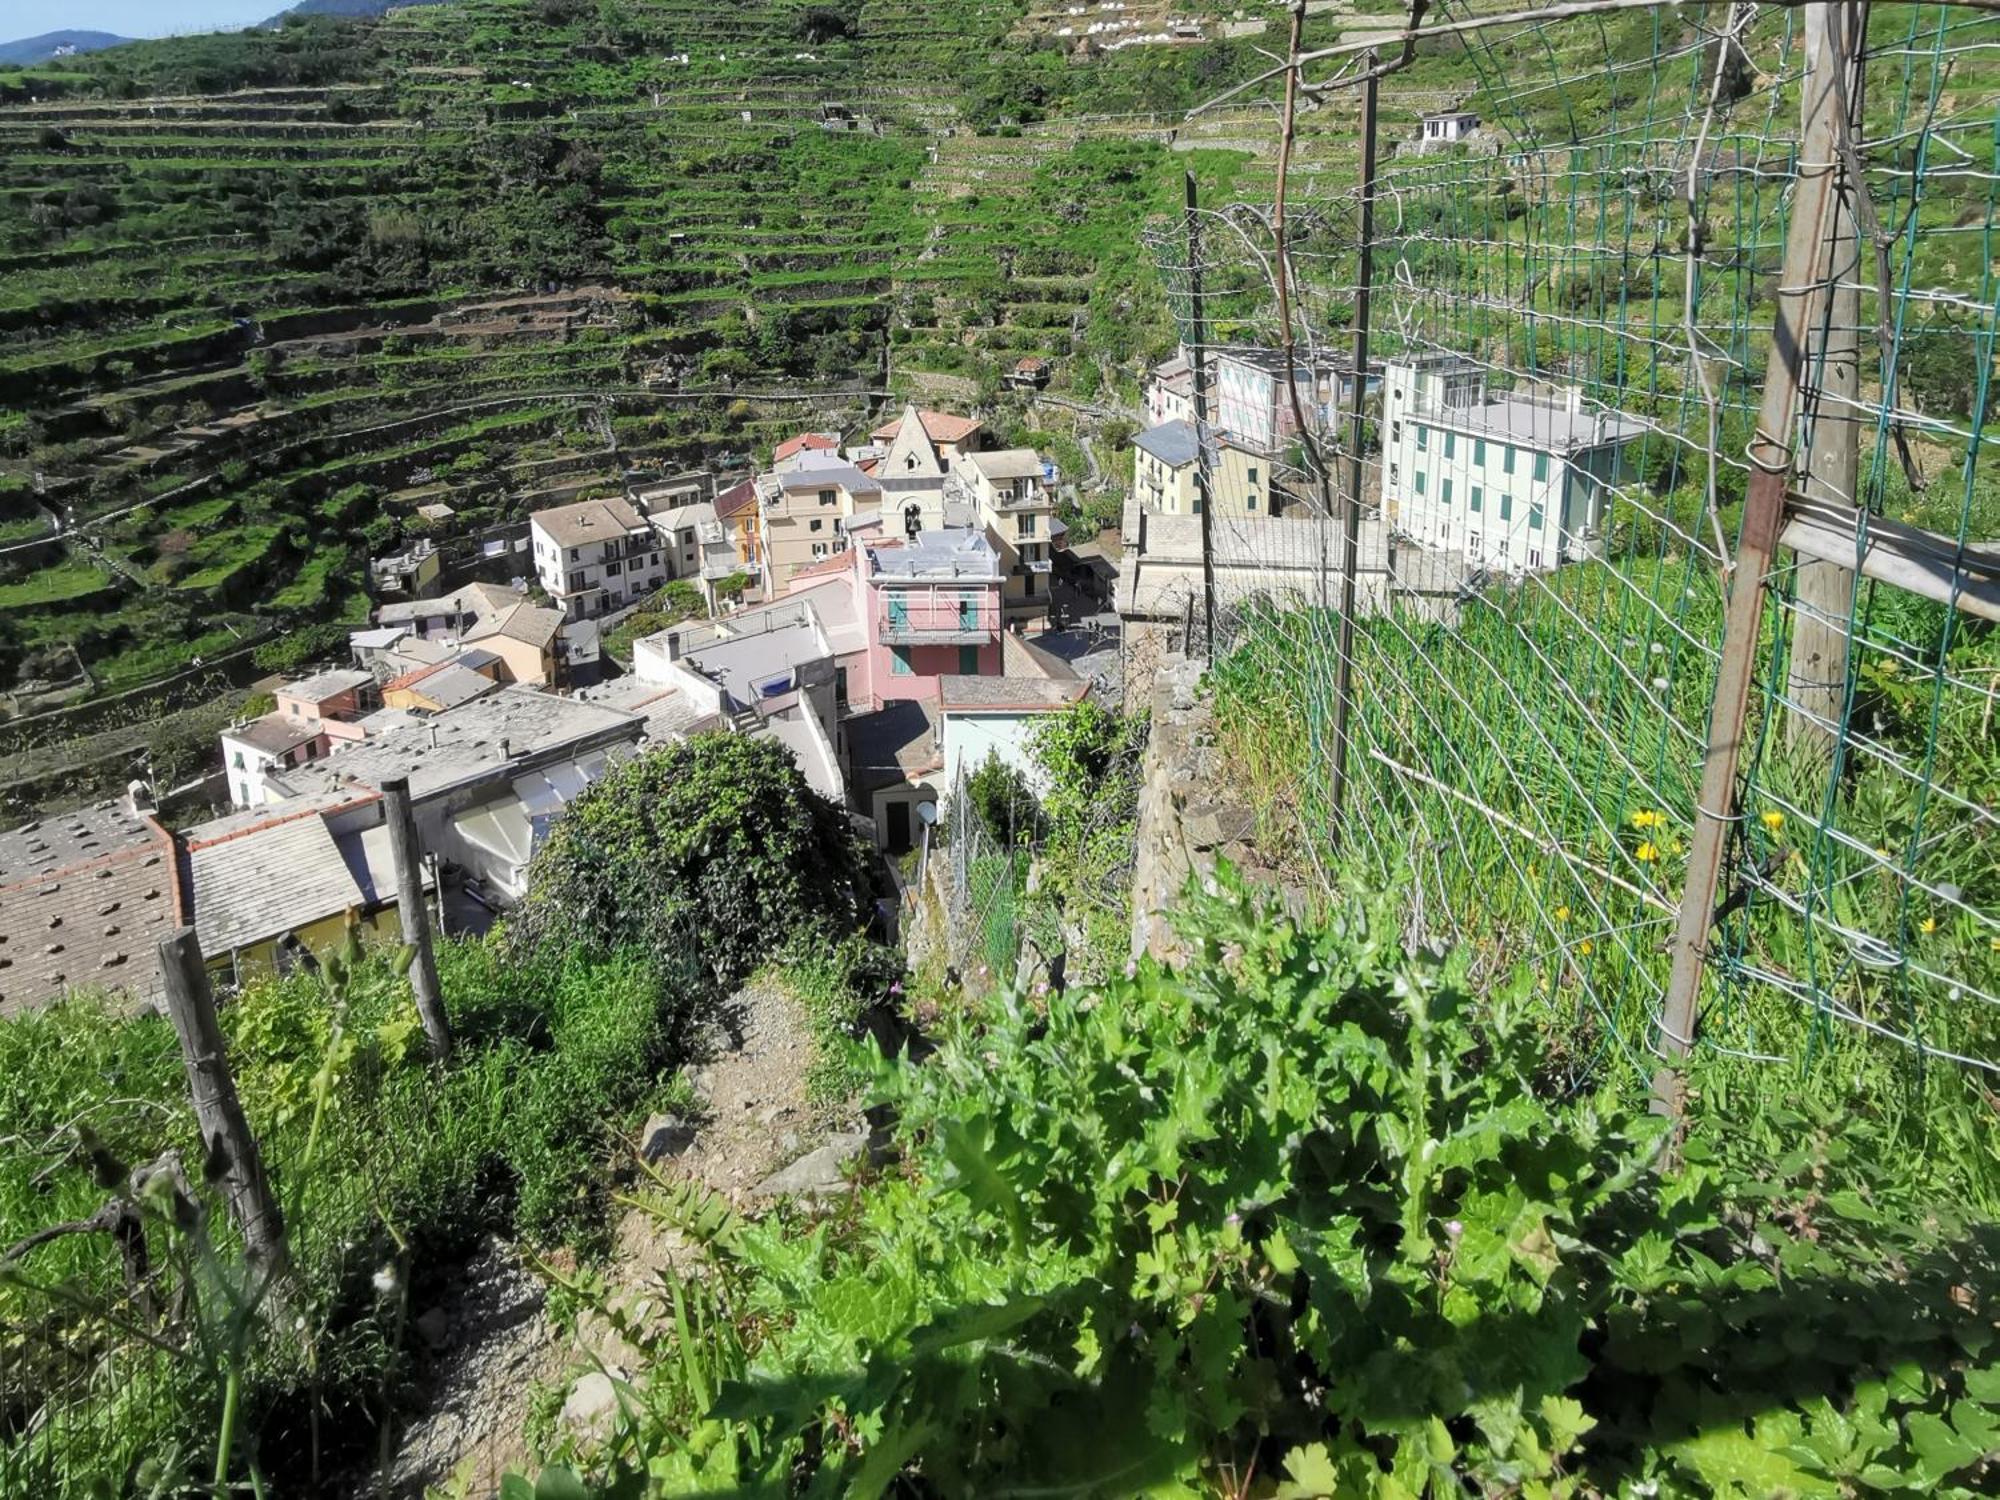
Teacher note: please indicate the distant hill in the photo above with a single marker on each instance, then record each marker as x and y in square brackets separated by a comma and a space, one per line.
[39, 49]
[345, 8]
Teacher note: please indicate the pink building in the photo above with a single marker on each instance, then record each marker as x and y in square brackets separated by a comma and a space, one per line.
[903, 614]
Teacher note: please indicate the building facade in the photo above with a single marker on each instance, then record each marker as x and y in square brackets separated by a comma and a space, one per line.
[596, 556]
[933, 609]
[312, 717]
[1164, 478]
[1013, 498]
[1514, 482]
[804, 511]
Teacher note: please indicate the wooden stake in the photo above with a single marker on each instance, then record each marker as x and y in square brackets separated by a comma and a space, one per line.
[229, 1150]
[411, 911]
[1802, 280]
[1831, 471]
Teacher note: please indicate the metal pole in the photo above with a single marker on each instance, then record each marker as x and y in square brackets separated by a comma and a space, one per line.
[1198, 343]
[1350, 520]
[1800, 280]
[415, 917]
[229, 1149]
[1825, 590]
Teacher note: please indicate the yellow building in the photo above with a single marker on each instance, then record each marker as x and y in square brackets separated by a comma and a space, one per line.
[1016, 506]
[1164, 479]
[274, 883]
[804, 511]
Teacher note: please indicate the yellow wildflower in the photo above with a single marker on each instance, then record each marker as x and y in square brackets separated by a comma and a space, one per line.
[1562, 913]
[1646, 853]
[1928, 925]
[1584, 947]
[1644, 819]
[1774, 820]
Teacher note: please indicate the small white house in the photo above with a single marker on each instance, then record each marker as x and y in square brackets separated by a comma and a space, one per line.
[1514, 482]
[998, 716]
[1446, 129]
[596, 556]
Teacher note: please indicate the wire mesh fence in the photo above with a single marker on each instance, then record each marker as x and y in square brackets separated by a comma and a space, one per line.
[1570, 327]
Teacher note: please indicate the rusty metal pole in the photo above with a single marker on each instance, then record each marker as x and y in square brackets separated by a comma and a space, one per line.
[229, 1149]
[1830, 473]
[1350, 520]
[415, 917]
[1802, 280]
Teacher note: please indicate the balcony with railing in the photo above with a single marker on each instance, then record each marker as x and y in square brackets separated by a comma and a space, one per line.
[937, 617]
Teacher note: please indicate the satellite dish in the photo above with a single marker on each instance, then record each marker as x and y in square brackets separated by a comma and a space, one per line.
[927, 812]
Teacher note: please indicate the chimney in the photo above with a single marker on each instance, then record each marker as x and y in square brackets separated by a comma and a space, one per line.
[434, 734]
[139, 800]
[506, 749]
[673, 645]
[1573, 399]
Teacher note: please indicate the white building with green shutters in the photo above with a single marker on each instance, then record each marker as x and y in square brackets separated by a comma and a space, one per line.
[1514, 482]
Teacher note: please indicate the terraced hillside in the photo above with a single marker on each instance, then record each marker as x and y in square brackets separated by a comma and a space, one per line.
[262, 295]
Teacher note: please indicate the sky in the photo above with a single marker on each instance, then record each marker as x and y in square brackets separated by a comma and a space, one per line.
[19, 18]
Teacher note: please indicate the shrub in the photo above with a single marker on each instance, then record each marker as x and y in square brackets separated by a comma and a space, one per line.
[296, 648]
[707, 855]
[1298, 1211]
[1004, 802]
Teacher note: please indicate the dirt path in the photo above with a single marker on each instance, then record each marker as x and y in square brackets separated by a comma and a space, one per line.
[493, 1343]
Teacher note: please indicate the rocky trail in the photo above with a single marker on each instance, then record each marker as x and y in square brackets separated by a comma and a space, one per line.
[489, 1339]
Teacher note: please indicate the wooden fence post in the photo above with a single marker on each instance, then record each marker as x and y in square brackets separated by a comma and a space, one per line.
[414, 916]
[229, 1150]
[1803, 280]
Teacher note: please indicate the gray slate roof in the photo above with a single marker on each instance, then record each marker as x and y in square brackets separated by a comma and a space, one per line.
[323, 685]
[1008, 463]
[588, 521]
[954, 552]
[275, 733]
[441, 750]
[1172, 443]
[842, 475]
[1009, 694]
[263, 884]
[452, 685]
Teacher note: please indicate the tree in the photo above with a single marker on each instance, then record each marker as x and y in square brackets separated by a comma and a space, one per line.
[708, 856]
[1004, 802]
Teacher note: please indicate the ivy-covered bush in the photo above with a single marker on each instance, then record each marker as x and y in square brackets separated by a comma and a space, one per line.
[1294, 1222]
[708, 855]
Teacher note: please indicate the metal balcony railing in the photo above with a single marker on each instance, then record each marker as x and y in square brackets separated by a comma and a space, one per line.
[942, 618]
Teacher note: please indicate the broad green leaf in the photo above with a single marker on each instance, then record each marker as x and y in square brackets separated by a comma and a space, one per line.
[1941, 1450]
[1310, 1474]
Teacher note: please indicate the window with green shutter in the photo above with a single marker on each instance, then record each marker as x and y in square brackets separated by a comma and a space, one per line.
[1541, 466]
[1423, 438]
[1447, 492]
[1534, 518]
[1450, 444]
[1506, 506]
[1479, 450]
[968, 661]
[1478, 498]
[1507, 460]
[1420, 481]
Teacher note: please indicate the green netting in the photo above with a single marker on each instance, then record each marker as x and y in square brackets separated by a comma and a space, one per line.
[1531, 695]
